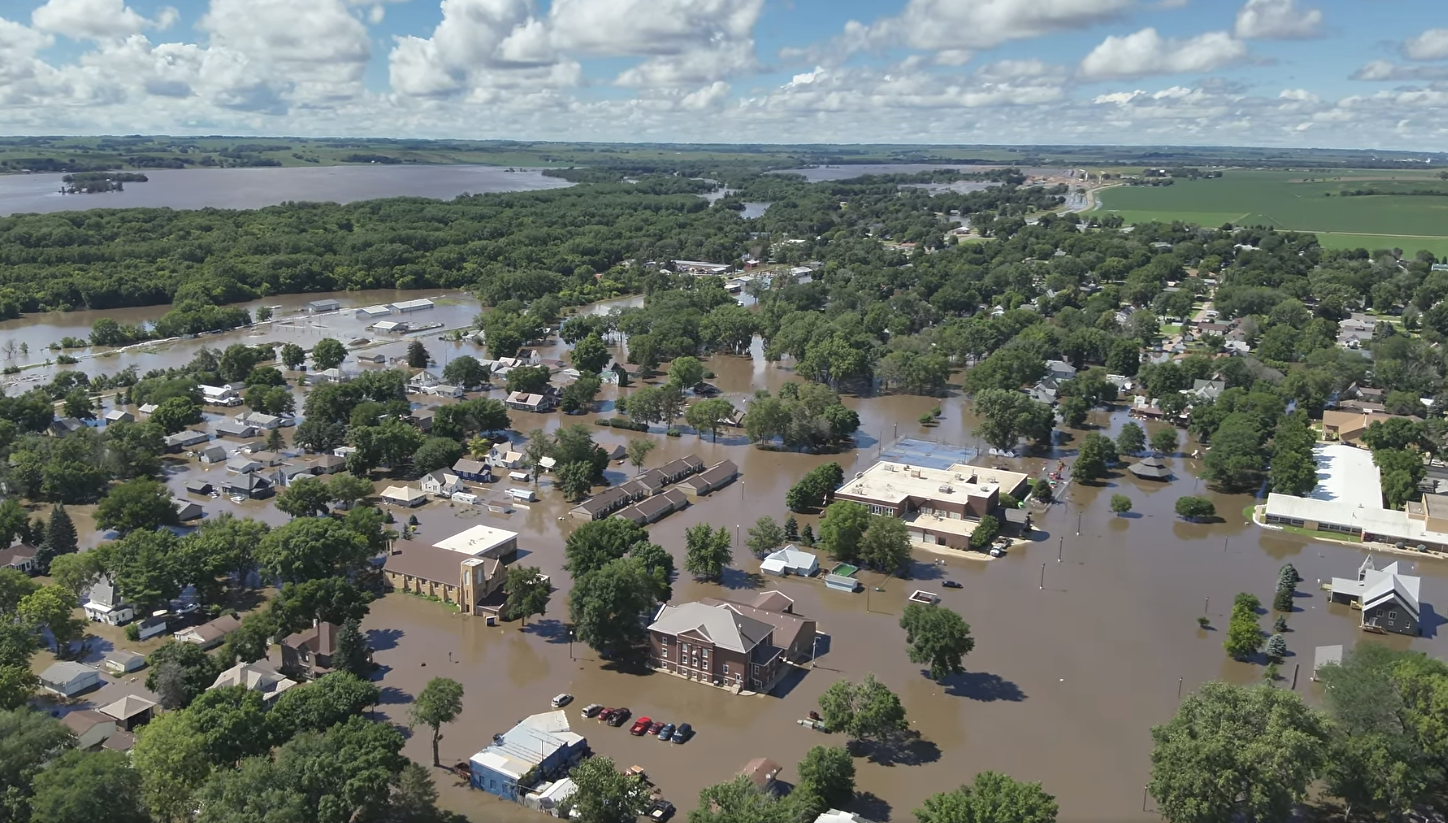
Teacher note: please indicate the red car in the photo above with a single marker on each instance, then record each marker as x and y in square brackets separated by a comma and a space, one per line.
[640, 726]
[656, 727]
[605, 715]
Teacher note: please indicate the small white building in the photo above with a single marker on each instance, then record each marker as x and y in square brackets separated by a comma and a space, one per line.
[213, 454]
[219, 396]
[442, 483]
[406, 306]
[389, 327]
[404, 496]
[259, 420]
[68, 678]
[790, 560]
[121, 661]
[373, 311]
[119, 416]
[326, 305]
[423, 379]
[105, 604]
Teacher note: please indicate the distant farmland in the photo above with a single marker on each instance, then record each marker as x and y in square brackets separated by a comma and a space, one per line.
[1299, 201]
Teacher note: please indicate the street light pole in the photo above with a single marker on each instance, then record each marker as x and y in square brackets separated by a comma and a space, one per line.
[1043, 577]
[1060, 547]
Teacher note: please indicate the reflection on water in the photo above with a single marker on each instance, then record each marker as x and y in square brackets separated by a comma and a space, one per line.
[255, 188]
[1073, 663]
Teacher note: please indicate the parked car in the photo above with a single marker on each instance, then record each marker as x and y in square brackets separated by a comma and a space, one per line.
[661, 810]
[683, 733]
[562, 700]
[951, 584]
[641, 727]
[667, 732]
[592, 710]
[620, 716]
[606, 715]
[655, 727]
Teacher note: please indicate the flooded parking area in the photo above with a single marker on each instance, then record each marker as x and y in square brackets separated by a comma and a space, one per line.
[1086, 635]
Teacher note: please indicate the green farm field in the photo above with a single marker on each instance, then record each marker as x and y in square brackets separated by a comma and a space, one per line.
[1303, 201]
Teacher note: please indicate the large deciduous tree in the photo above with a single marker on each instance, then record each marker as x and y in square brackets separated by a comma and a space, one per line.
[843, 527]
[937, 637]
[885, 545]
[991, 798]
[707, 551]
[136, 504]
[608, 606]
[527, 592]
[310, 548]
[605, 794]
[863, 711]
[328, 354]
[439, 702]
[1236, 753]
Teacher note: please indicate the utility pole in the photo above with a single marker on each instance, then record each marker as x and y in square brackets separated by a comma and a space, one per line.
[1043, 577]
[1060, 547]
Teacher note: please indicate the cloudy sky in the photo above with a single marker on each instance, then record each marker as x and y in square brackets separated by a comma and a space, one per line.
[1333, 73]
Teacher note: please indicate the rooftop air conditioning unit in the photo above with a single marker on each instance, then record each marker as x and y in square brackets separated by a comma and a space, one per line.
[946, 489]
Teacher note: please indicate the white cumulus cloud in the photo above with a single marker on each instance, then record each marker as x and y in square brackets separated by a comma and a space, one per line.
[980, 24]
[1146, 53]
[96, 19]
[1430, 45]
[1277, 20]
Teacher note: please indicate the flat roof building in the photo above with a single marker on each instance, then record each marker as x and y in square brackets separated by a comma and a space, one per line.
[940, 506]
[481, 541]
[411, 305]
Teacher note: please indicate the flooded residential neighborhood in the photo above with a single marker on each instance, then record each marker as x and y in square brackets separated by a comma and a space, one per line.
[1086, 630]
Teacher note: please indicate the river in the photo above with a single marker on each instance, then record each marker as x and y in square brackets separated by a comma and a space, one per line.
[255, 188]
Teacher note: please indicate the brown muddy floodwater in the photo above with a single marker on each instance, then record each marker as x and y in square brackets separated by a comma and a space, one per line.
[1062, 688]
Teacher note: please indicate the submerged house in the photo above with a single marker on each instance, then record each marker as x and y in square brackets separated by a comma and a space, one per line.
[537, 749]
[1387, 597]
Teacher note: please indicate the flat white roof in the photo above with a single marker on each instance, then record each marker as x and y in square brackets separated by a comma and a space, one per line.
[420, 303]
[1346, 476]
[476, 540]
[893, 482]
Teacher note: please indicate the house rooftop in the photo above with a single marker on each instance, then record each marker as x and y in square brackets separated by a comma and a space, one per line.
[128, 707]
[84, 720]
[724, 628]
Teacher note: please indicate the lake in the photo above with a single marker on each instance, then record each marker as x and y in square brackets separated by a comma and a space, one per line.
[255, 188]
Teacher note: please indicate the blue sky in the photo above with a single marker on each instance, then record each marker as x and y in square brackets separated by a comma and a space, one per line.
[1351, 73]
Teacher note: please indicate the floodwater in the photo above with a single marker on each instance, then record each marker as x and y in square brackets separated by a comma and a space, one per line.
[291, 325]
[816, 174]
[1075, 659]
[255, 188]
